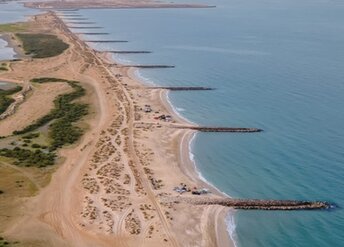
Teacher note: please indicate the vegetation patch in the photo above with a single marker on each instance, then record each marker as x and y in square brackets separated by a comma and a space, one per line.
[5, 100]
[42, 45]
[12, 27]
[5, 243]
[61, 129]
[48, 79]
[3, 67]
[25, 157]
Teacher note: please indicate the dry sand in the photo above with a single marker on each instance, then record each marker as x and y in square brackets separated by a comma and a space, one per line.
[113, 188]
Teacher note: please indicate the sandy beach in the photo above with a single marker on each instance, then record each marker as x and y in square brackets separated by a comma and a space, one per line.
[116, 186]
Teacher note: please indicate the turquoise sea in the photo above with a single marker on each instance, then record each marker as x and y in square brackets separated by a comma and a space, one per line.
[277, 65]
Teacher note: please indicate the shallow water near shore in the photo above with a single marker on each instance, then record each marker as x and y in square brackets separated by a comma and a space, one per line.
[9, 13]
[5, 51]
[277, 65]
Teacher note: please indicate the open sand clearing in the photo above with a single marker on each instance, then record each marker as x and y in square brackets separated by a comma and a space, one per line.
[113, 186]
[37, 104]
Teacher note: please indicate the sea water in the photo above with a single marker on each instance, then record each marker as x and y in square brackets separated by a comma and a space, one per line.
[276, 65]
[11, 12]
[5, 51]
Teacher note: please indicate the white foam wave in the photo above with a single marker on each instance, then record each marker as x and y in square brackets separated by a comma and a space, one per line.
[180, 109]
[199, 174]
[143, 79]
[122, 60]
[175, 110]
[229, 220]
[231, 226]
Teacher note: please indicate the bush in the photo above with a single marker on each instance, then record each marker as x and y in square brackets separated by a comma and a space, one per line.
[31, 136]
[62, 131]
[42, 45]
[25, 157]
[64, 109]
[6, 101]
[35, 145]
[48, 79]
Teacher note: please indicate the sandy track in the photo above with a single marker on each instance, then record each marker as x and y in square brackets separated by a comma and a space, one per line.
[103, 193]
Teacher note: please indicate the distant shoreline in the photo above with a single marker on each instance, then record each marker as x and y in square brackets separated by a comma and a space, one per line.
[115, 4]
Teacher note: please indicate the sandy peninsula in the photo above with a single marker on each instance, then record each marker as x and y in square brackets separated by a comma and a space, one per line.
[116, 186]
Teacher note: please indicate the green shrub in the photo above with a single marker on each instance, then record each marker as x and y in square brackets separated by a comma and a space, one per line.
[48, 79]
[42, 45]
[31, 136]
[66, 112]
[25, 157]
[5, 100]
[35, 145]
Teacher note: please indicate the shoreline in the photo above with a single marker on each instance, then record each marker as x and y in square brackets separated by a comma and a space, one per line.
[14, 45]
[211, 217]
[187, 165]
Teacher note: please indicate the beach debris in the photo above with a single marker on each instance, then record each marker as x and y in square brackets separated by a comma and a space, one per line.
[181, 189]
[147, 108]
[166, 118]
[202, 191]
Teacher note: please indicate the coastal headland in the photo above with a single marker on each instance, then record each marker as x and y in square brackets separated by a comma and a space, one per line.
[127, 180]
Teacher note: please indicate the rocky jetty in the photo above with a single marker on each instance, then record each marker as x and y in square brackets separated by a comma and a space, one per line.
[81, 22]
[93, 33]
[76, 18]
[83, 27]
[106, 41]
[184, 88]
[128, 52]
[255, 204]
[220, 129]
[150, 66]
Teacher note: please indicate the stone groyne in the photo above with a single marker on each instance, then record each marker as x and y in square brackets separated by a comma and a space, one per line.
[220, 129]
[88, 33]
[78, 27]
[149, 66]
[184, 88]
[127, 52]
[76, 19]
[81, 22]
[256, 204]
[106, 41]
[70, 15]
